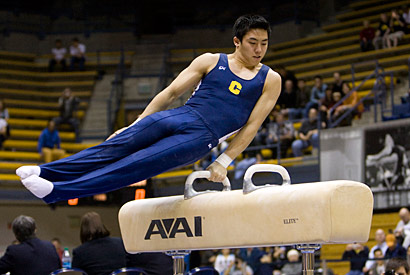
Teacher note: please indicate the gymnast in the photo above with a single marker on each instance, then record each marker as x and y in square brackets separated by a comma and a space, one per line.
[234, 93]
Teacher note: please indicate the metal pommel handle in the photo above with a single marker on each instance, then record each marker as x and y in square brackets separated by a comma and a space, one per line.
[189, 189]
[248, 185]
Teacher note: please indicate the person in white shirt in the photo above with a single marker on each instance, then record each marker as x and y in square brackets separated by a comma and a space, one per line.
[58, 58]
[77, 52]
[380, 238]
[224, 260]
[403, 227]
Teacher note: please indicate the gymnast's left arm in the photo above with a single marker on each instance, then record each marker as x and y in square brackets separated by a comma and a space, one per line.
[244, 137]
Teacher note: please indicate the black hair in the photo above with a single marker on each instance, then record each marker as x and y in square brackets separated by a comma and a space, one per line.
[75, 39]
[396, 263]
[247, 22]
[318, 76]
[59, 41]
[24, 228]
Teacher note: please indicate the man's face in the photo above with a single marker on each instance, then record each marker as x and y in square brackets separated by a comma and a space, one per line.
[253, 46]
[288, 85]
[312, 114]
[380, 236]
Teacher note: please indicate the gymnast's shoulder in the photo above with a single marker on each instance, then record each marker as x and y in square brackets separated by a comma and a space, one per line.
[273, 82]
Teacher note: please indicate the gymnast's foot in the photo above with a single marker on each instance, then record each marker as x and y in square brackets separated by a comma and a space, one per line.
[25, 171]
[38, 186]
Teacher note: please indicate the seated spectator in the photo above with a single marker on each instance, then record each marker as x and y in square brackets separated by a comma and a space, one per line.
[367, 35]
[30, 256]
[286, 75]
[357, 254]
[239, 267]
[293, 266]
[49, 143]
[302, 99]
[378, 267]
[317, 93]
[152, 263]
[68, 105]
[397, 266]
[98, 253]
[406, 17]
[380, 238]
[59, 249]
[402, 230]
[397, 29]
[325, 104]
[224, 260]
[382, 32]
[58, 58]
[4, 125]
[77, 52]
[252, 257]
[208, 257]
[395, 250]
[337, 85]
[287, 98]
[250, 158]
[307, 135]
[281, 130]
[347, 105]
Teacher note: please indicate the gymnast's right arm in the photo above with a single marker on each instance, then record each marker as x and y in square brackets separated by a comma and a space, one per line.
[185, 81]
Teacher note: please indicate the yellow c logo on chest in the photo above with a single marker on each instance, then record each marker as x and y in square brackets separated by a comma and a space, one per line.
[235, 87]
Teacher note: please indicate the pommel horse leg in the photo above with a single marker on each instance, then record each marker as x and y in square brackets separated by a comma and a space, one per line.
[308, 257]
[178, 257]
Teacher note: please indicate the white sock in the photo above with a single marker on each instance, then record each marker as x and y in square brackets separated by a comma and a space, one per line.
[25, 171]
[38, 186]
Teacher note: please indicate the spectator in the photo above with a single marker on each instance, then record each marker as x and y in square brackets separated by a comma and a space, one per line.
[380, 238]
[77, 52]
[378, 267]
[286, 75]
[338, 83]
[250, 158]
[98, 253]
[325, 104]
[402, 231]
[287, 98]
[152, 263]
[367, 35]
[252, 257]
[58, 58]
[293, 266]
[224, 260]
[348, 104]
[382, 32]
[31, 256]
[68, 105]
[357, 254]
[302, 99]
[282, 131]
[57, 244]
[4, 126]
[397, 266]
[397, 29]
[307, 135]
[208, 257]
[317, 93]
[395, 250]
[49, 143]
[239, 267]
[406, 14]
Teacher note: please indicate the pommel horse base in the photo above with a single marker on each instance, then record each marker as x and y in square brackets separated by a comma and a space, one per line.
[308, 215]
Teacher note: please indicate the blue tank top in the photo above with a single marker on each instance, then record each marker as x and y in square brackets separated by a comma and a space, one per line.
[224, 100]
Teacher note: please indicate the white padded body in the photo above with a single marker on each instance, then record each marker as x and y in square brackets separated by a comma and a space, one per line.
[310, 213]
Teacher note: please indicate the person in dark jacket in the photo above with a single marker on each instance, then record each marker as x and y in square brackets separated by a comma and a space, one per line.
[99, 254]
[30, 256]
[152, 263]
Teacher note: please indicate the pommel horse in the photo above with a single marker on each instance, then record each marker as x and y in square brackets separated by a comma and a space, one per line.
[306, 215]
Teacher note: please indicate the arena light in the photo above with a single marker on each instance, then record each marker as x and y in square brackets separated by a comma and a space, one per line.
[73, 202]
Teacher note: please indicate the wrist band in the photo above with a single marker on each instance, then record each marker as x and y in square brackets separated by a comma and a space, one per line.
[224, 160]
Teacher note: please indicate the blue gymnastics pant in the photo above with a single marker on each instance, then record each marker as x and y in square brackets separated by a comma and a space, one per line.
[158, 143]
